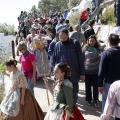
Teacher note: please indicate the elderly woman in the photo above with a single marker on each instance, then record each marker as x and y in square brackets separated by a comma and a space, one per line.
[91, 61]
[42, 62]
[28, 62]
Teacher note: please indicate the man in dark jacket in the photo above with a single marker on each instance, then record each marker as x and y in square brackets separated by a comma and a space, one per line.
[69, 50]
[109, 67]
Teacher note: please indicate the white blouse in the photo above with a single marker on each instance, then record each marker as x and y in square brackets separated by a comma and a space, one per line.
[112, 105]
[18, 79]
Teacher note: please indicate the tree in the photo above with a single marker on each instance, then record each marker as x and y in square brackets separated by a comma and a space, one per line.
[34, 8]
[96, 11]
[54, 5]
[73, 3]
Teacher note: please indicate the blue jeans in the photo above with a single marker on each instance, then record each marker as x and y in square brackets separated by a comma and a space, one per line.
[30, 85]
[106, 87]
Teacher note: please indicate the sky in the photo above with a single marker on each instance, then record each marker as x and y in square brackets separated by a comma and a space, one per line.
[10, 10]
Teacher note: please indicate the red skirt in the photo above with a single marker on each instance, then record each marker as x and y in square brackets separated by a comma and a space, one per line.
[76, 113]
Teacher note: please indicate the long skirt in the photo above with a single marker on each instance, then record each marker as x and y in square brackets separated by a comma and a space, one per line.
[30, 111]
[59, 114]
[42, 63]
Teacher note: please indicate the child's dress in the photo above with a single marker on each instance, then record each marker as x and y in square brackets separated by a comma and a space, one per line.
[63, 103]
[11, 109]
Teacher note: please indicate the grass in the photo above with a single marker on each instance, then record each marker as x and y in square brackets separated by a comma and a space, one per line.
[7, 29]
[1, 92]
[2, 67]
[108, 17]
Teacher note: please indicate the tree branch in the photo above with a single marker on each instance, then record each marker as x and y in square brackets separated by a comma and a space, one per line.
[96, 11]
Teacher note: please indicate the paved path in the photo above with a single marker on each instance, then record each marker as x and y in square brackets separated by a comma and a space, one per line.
[89, 112]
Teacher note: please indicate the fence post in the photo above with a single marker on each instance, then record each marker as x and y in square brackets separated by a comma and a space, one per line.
[16, 40]
[13, 49]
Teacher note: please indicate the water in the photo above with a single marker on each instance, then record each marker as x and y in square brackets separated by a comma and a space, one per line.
[5, 53]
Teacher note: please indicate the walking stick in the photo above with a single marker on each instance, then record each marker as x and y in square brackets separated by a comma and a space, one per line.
[45, 77]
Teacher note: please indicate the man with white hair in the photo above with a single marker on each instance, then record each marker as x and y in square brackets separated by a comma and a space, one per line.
[76, 34]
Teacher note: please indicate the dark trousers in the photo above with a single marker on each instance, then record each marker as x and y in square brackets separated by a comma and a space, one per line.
[117, 118]
[75, 92]
[91, 80]
[82, 21]
[117, 12]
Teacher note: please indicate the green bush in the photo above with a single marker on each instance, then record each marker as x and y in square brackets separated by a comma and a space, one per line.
[2, 67]
[108, 17]
[1, 92]
[7, 29]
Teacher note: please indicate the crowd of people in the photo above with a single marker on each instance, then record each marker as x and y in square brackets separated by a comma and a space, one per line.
[49, 46]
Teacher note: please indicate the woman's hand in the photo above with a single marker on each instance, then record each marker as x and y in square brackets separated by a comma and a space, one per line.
[33, 80]
[67, 117]
[46, 83]
[22, 102]
[3, 72]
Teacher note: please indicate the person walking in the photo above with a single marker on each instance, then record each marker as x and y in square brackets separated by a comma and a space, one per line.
[19, 103]
[91, 52]
[109, 67]
[112, 105]
[69, 50]
[28, 64]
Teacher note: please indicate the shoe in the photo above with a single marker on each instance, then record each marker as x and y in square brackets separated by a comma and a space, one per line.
[96, 103]
[89, 103]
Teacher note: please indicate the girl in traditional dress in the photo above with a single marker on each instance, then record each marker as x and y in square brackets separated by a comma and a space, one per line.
[42, 61]
[30, 38]
[63, 107]
[19, 103]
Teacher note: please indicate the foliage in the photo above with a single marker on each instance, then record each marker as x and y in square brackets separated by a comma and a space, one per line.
[1, 92]
[2, 67]
[54, 5]
[33, 8]
[108, 17]
[7, 29]
[73, 3]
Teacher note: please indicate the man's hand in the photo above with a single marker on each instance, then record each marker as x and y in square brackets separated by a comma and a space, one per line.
[100, 89]
[82, 77]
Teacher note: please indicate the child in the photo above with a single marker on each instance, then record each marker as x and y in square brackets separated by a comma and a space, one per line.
[62, 107]
[19, 103]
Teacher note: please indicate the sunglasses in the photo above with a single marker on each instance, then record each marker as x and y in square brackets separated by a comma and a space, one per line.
[21, 49]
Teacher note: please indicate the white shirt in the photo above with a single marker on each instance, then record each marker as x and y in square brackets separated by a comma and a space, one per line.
[112, 106]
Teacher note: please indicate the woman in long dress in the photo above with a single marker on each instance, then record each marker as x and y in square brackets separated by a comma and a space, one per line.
[62, 107]
[19, 103]
[38, 46]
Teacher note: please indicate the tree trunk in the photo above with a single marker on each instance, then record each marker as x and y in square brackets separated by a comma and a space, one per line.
[95, 12]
